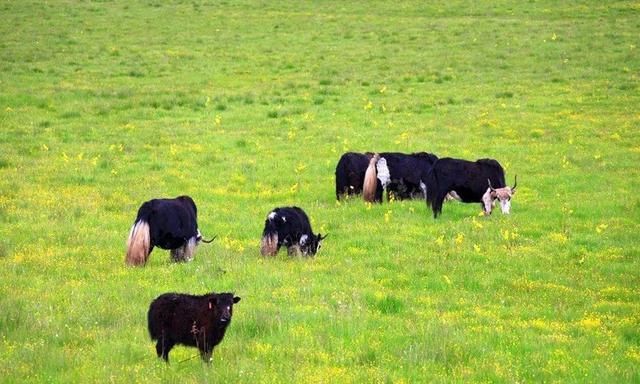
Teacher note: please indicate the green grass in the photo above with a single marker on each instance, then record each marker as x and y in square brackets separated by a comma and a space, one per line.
[248, 105]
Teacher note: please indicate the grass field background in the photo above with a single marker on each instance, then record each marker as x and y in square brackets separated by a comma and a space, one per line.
[248, 105]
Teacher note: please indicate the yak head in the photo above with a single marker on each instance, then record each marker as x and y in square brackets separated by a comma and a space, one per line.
[310, 244]
[222, 306]
[503, 195]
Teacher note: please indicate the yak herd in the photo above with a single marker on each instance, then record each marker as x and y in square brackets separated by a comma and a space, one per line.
[171, 224]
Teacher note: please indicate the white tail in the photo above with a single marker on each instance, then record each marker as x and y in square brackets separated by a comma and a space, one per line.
[138, 244]
[370, 180]
[269, 244]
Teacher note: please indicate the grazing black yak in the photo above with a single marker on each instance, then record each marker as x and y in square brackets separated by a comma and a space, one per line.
[166, 223]
[289, 226]
[481, 181]
[195, 321]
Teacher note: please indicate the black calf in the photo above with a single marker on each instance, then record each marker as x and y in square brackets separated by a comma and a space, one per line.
[196, 321]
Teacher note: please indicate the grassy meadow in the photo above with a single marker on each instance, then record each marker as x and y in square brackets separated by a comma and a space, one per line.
[247, 105]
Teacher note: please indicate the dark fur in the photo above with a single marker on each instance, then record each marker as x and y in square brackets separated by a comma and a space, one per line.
[288, 227]
[195, 321]
[406, 172]
[171, 224]
[350, 173]
[467, 178]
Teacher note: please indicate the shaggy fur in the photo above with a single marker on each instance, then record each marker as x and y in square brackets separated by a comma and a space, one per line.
[195, 321]
[370, 183]
[138, 244]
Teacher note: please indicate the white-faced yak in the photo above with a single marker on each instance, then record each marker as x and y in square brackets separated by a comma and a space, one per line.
[195, 321]
[167, 223]
[481, 181]
[398, 173]
[289, 226]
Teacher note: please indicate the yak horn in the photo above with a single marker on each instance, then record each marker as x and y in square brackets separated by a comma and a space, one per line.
[515, 183]
[490, 187]
[208, 241]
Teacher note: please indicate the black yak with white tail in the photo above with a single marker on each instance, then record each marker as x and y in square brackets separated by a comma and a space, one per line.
[166, 223]
[398, 173]
[289, 226]
[195, 321]
[481, 181]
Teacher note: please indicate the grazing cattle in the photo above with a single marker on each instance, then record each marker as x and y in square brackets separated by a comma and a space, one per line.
[195, 321]
[398, 173]
[481, 181]
[350, 173]
[289, 226]
[166, 223]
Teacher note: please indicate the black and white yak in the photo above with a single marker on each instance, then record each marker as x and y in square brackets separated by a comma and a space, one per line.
[399, 174]
[481, 181]
[196, 321]
[166, 223]
[289, 226]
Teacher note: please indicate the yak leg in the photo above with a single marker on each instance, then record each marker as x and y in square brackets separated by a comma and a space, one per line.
[269, 245]
[206, 355]
[294, 250]
[185, 252]
[379, 193]
[163, 347]
[177, 254]
[189, 249]
[487, 202]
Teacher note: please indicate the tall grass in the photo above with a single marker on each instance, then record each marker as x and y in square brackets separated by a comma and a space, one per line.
[246, 106]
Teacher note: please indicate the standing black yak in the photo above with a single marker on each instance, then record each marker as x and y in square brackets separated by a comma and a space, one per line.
[196, 321]
[166, 223]
[289, 226]
[398, 173]
[481, 181]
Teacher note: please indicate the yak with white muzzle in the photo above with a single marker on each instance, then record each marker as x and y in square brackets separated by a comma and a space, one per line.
[503, 195]
[468, 179]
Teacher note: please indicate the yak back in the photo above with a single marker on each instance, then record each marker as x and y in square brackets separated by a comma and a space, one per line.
[409, 167]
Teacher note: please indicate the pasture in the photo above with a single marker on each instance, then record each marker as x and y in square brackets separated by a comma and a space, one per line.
[248, 105]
